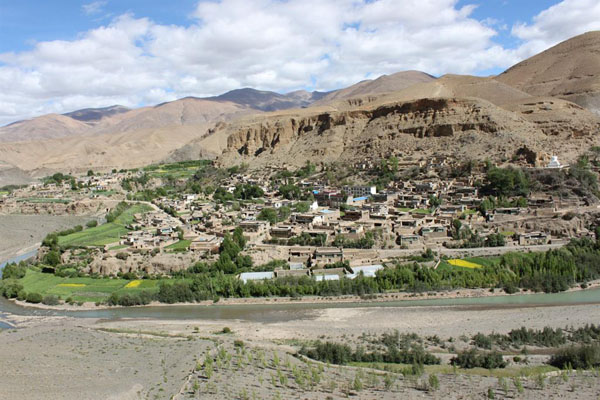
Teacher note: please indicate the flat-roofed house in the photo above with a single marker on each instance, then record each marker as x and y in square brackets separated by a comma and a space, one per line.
[533, 239]
[434, 231]
[328, 255]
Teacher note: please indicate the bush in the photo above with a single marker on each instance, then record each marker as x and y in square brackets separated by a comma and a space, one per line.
[52, 258]
[34, 298]
[475, 359]
[584, 357]
[50, 300]
[10, 288]
[130, 299]
[14, 271]
[226, 330]
[122, 255]
[92, 224]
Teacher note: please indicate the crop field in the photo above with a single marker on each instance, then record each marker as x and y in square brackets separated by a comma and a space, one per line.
[464, 263]
[181, 245]
[106, 233]
[82, 289]
[184, 169]
[43, 200]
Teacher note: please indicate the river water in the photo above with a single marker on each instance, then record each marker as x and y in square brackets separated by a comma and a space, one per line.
[280, 312]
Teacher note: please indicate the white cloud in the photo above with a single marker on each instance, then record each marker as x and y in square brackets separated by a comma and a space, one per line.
[267, 44]
[93, 7]
[557, 23]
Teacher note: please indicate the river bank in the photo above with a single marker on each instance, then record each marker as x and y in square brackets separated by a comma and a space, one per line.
[22, 233]
[324, 300]
[154, 356]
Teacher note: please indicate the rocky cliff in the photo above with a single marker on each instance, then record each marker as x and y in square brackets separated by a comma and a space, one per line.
[466, 128]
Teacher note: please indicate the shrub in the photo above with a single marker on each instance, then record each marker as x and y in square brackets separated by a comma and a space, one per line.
[482, 341]
[434, 382]
[52, 258]
[577, 357]
[50, 300]
[475, 359]
[14, 271]
[34, 298]
[226, 330]
[130, 299]
[92, 224]
[122, 255]
[10, 288]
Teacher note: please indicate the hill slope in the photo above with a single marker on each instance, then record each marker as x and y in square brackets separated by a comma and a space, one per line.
[269, 101]
[383, 84]
[569, 70]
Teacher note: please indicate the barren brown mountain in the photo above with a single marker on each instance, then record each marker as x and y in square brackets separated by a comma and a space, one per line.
[383, 84]
[127, 140]
[569, 70]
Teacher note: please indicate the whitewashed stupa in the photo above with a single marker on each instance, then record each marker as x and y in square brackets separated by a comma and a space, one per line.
[554, 163]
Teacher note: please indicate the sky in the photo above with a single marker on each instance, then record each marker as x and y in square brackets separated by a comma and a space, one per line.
[62, 55]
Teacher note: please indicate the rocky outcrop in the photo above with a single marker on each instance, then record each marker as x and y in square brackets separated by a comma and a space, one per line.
[457, 127]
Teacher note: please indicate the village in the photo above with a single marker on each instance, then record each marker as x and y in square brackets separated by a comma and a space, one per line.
[325, 231]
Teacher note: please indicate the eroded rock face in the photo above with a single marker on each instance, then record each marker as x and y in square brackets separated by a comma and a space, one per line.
[458, 126]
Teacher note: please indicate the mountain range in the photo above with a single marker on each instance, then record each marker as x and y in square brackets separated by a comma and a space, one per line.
[549, 103]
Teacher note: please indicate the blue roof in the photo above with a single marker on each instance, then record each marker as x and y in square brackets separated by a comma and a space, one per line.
[326, 211]
[315, 192]
[360, 198]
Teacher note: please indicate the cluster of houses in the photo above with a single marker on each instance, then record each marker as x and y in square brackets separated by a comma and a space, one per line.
[412, 214]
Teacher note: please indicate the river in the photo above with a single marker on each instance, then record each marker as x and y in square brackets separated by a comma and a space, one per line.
[269, 313]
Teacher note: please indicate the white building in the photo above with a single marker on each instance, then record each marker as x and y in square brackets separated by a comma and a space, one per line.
[554, 163]
[360, 191]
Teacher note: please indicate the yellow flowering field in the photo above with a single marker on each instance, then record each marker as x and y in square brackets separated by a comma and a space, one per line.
[464, 263]
[133, 284]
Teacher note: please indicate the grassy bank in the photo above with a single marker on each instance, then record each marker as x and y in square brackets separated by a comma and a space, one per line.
[84, 289]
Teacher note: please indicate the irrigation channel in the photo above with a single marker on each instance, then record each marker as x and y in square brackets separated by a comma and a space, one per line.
[281, 312]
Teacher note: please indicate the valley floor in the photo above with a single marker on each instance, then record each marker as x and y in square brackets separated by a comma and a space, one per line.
[80, 358]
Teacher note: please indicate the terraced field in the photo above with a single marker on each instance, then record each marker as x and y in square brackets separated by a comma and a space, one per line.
[105, 233]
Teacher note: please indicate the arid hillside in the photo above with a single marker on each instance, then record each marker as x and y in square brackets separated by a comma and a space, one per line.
[569, 70]
[383, 84]
[463, 128]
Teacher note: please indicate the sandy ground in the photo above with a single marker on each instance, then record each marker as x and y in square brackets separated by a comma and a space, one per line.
[155, 359]
[20, 233]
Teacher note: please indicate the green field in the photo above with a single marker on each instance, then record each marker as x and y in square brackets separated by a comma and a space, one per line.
[180, 245]
[80, 289]
[3, 192]
[107, 233]
[184, 169]
[43, 200]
